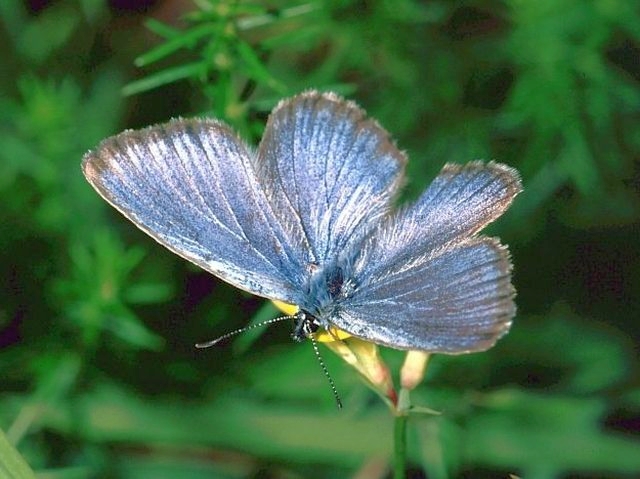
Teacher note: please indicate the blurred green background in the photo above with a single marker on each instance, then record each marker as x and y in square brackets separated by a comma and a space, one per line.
[98, 373]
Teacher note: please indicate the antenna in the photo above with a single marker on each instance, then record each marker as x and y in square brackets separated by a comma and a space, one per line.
[213, 342]
[307, 325]
[314, 343]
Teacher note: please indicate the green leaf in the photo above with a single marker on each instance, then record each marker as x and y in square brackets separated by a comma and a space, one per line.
[12, 464]
[47, 33]
[56, 376]
[130, 329]
[534, 433]
[164, 77]
[255, 69]
[13, 16]
[186, 39]
[148, 293]
[303, 38]
[113, 415]
[245, 340]
[161, 29]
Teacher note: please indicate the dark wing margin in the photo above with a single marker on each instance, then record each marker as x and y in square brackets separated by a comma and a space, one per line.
[456, 299]
[190, 185]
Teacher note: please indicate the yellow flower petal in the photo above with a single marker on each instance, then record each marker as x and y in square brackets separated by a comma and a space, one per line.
[332, 335]
[413, 369]
[365, 358]
[324, 336]
[286, 308]
[358, 353]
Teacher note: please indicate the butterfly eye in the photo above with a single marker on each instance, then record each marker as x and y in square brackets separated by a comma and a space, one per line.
[311, 326]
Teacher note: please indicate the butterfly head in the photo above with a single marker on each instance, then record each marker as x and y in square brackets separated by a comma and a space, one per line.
[305, 324]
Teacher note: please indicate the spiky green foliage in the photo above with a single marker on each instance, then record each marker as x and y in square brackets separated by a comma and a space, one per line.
[98, 374]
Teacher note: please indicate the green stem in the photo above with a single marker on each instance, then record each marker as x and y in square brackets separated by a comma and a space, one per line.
[400, 434]
[400, 446]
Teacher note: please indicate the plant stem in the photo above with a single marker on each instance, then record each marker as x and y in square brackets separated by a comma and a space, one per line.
[400, 434]
[400, 446]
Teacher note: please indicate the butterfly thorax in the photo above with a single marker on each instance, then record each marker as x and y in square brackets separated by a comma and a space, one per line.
[327, 288]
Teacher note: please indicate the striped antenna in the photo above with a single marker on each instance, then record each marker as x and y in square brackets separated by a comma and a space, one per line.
[307, 328]
[213, 342]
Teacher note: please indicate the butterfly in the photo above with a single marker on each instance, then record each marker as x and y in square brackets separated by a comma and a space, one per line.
[309, 218]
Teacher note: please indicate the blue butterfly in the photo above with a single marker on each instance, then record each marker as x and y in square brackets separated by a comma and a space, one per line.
[308, 219]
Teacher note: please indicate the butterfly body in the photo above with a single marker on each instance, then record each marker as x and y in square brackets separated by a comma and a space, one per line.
[308, 219]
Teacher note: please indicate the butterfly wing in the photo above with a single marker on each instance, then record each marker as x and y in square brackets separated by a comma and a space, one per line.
[329, 170]
[423, 283]
[454, 300]
[460, 202]
[190, 184]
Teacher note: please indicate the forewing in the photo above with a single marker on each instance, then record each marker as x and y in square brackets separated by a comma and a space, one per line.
[456, 299]
[329, 170]
[190, 185]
